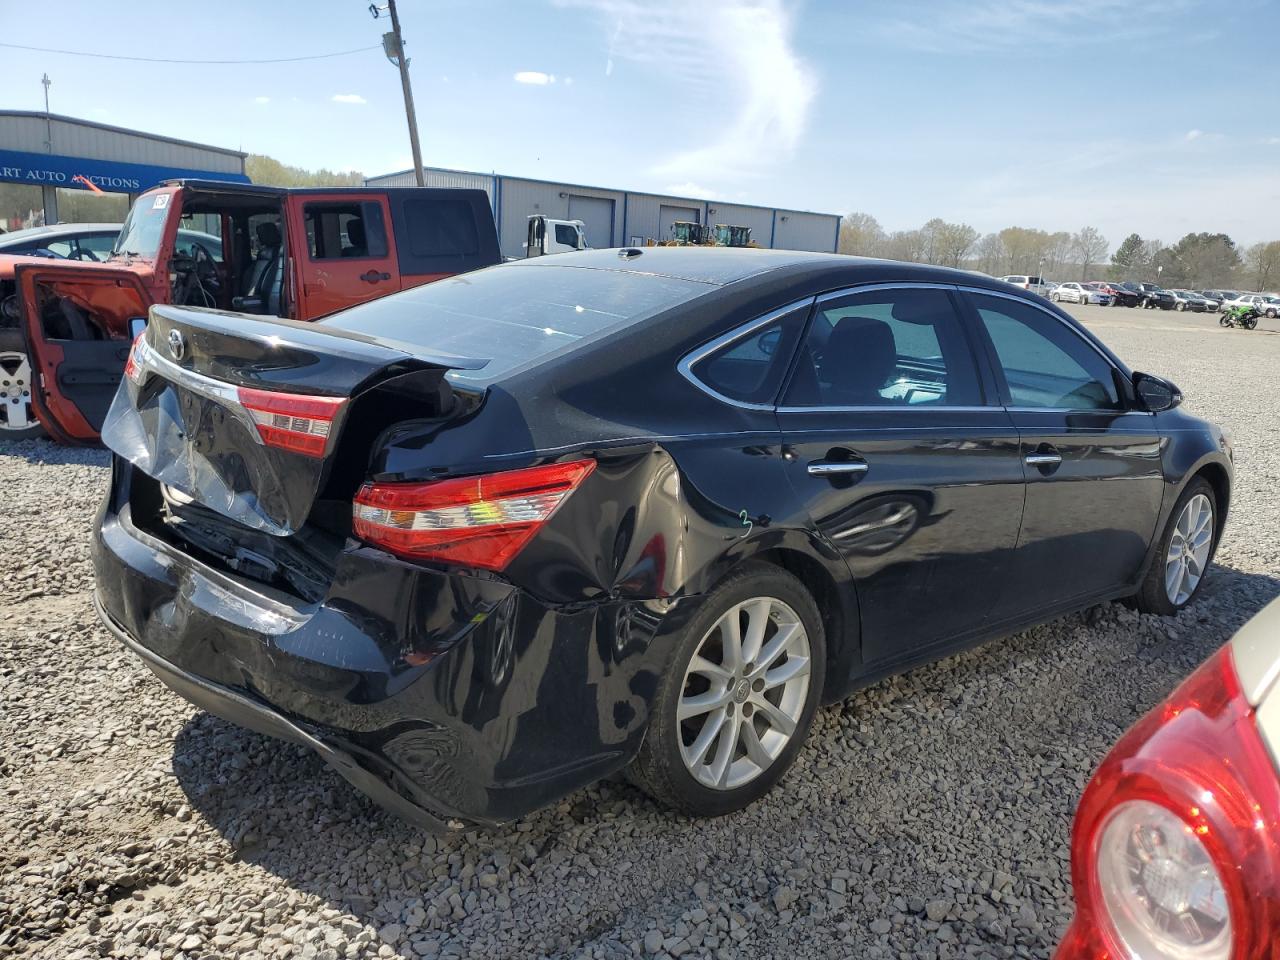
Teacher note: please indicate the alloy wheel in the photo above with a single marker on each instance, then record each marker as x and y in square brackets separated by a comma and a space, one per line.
[743, 693]
[15, 392]
[1189, 547]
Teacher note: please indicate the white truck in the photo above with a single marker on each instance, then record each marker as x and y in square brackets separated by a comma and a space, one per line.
[554, 236]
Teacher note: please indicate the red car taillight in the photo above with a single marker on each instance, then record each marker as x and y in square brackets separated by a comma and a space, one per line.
[133, 366]
[291, 421]
[1176, 846]
[481, 521]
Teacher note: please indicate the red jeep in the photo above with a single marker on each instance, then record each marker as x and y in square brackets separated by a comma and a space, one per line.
[297, 253]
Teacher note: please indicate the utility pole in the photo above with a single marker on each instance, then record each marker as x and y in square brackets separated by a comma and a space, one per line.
[48, 123]
[393, 47]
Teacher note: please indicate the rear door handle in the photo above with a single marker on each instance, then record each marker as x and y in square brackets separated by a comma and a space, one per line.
[833, 468]
[373, 276]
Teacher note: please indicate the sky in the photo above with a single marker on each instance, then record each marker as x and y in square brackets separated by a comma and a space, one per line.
[1129, 115]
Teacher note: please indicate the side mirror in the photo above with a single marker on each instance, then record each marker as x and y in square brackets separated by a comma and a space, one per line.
[1155, 393]
[136, 326]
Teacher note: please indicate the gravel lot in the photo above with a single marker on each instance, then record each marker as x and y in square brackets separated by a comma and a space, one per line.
[927, 817]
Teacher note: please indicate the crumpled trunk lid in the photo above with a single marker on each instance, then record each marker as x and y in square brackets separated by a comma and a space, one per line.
[243, 414]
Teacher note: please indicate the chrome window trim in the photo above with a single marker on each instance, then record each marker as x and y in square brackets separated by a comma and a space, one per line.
[698, 354]
[891, 407]
[873, 287]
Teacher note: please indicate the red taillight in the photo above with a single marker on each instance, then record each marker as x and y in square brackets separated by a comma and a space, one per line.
[481, 521]
[291, 421]
[133, 366]
[1193, 790]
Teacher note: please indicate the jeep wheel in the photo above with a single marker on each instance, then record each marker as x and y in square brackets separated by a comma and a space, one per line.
[17, 418]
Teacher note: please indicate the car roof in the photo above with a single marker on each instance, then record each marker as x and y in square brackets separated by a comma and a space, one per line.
[54, 230]
[725, 265]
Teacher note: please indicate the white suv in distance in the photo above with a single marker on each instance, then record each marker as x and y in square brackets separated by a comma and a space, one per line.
[1080, 293]
[1267, 305]
[1034, 284]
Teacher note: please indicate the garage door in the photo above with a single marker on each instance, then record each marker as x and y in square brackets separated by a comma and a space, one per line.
[669, 215]
[597, 214]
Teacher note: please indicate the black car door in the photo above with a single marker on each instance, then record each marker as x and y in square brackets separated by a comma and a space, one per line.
[1092, 463]
[906, 463]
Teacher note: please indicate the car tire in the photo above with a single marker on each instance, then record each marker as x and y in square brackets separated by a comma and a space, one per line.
[1158, 594]
[1180, 306]
[672, 765]
[1271, 314]
[1054, 297]
[15, 387]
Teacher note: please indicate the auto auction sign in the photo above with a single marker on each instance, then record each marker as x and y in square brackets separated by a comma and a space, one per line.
[110, 176]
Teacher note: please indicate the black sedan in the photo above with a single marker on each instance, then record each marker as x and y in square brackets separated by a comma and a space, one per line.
[490, 539]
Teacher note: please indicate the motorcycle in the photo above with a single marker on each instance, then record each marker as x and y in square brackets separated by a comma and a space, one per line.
[1242, 316]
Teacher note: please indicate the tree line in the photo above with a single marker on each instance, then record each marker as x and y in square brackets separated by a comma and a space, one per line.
[1202, 260]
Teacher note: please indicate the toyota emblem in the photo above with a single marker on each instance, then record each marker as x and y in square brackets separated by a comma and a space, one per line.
[177, 344]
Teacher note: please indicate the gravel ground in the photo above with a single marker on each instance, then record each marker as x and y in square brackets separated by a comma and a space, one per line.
[927, 817]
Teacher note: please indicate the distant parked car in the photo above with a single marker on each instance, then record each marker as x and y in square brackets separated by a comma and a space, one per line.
[1152, 295]
[1120, 296]
[1080, 293]
[1175, 852]
[63, 241]
[1211, 298]
[1189, 300]
[1270, 305]
[1222, 296]
[93, 242]
[1034, 284]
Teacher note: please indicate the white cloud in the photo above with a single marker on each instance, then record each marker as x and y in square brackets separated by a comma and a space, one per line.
[348, 98]
[1272, 141]
[733, 59]
[535, 78]
[690, 189]
[950, 26]
[1194, 134]
[261, 99]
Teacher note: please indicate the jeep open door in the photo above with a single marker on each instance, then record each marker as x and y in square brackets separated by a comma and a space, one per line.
[76, 323]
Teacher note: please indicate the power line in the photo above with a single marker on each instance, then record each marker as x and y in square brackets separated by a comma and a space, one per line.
[114, 56]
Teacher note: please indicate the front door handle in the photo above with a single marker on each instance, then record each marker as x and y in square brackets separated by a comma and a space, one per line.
[833, 468]
[1043, 459]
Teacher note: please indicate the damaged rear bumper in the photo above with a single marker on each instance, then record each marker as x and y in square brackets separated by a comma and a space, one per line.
[454, 700]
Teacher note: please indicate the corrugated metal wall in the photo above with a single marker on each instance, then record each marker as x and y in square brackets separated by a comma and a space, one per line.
[797, 230]
[519, 199]
[27, 132]
[644, 216]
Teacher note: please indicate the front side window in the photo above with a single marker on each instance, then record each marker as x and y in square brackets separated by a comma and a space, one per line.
[345, 230]
[566, 234]
[896, 347]
[1045, 363]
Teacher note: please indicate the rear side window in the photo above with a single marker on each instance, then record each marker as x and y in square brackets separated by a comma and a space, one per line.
[516, 313]
[748, 366]
[440, 227]
[900, 347]
[338, 231]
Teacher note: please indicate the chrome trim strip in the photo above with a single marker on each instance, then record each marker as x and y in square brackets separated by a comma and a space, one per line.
[872, 287]
[149, 359]
[686, 364]
[890, 407]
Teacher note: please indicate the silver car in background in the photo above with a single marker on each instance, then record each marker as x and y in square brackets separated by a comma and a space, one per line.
[1073, 292]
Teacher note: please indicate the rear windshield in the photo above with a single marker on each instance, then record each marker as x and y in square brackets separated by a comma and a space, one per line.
[511, 315]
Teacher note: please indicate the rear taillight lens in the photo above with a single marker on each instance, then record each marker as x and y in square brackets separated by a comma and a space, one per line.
[1176, 846]
[1161, 890]
[290, 421]
[481, 521]
[133, 368]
